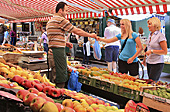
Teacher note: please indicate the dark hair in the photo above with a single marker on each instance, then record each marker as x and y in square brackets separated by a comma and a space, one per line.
[140, 30]
[59, 6]
[44, 28]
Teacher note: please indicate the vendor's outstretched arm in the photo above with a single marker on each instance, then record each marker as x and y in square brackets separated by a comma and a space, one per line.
[81, 32]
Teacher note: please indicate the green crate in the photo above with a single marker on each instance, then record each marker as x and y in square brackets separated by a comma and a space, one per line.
[84, 79]
[107, 86]
[127, 92]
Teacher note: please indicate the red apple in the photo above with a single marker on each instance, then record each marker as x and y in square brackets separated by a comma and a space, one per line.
[39, 87]
[59, 106]
[47, 90]
[42, 94]
[36, 81]
[37, 103]
[33, 90]
[67, 103]
[27, 83]
[22, 93]
[49, 99]
[67, 109]
[46, 83]
[18, 79]
[4, 85]
[55, 92]
[28, 98]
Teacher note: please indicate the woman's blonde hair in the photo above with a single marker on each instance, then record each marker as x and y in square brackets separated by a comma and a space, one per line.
[155, 22]
[128, 26]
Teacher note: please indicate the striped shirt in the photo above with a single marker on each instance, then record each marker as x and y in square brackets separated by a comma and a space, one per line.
[56, 28]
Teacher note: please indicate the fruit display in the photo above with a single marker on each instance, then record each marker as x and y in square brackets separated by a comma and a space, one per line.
[159, 91]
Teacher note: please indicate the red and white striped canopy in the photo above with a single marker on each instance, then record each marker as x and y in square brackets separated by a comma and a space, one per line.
[42, 10]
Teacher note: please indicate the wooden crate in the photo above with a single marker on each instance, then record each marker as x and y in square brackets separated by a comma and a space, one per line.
[35, 66]
[164, 107]
[12, 57]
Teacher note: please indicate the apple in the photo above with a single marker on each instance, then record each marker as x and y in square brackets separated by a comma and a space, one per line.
[37, 103]
[4, 85]
[42, 94]
[37, 81]
[90, 109]
[67, 109]
[100, 102]
[18, 79]
[109, 108]
[22, 93]
[55, 92]
[79, 108]
[47, 90]
[103, 109]
[39, 87]
[33, 90]
[59, 106]
[114, 108]
[89, 101]
[95, 106]
[28, 98]
[107, 104]
[49, 99]
[27, 83]
[46, 83]
[67, 103]
[49, 107]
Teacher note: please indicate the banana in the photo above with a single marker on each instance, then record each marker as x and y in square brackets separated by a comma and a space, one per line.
[47, 80]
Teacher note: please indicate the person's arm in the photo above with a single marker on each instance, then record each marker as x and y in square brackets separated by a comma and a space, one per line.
[107, 40]
[163, 45]
[41, 39]
[68, 37]
[81, 32]
[70, 45]
[140, 48]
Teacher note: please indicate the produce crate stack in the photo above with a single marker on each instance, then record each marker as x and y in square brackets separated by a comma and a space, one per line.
[33, 60]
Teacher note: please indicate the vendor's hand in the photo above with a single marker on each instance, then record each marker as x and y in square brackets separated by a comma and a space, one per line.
[50, 52]
[70, 45]
[93, 35]
[148, 53]
[130, 60]
[98, 38]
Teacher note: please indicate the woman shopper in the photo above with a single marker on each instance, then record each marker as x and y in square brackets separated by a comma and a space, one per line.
[128, 61]
[156, 48]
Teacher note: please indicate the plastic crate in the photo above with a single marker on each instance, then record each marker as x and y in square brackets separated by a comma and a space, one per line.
[127, 92]
[85, 79]
[104, 85]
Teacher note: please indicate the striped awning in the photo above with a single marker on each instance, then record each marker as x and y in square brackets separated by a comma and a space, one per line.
[42, 10]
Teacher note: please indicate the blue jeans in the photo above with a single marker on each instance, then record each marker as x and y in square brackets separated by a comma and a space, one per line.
[13, 41]
[45, 47]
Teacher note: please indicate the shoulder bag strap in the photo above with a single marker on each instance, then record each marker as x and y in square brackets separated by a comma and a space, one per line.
[124, 43]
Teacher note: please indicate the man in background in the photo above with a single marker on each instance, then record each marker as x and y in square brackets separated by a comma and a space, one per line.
[111, 49]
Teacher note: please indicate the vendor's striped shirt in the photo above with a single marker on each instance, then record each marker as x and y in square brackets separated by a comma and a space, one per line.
[56, 28]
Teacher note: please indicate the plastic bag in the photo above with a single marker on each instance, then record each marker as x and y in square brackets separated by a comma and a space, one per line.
[73, 83]
[97, 50]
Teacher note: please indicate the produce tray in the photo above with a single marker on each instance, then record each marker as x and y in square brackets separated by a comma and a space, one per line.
[85, 79]
[104, 85]
[127, 92]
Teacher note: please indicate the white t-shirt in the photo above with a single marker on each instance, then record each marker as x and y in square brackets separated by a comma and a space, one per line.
[111, 32]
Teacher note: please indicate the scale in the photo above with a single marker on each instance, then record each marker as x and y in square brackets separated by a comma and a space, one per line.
[33, 56]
